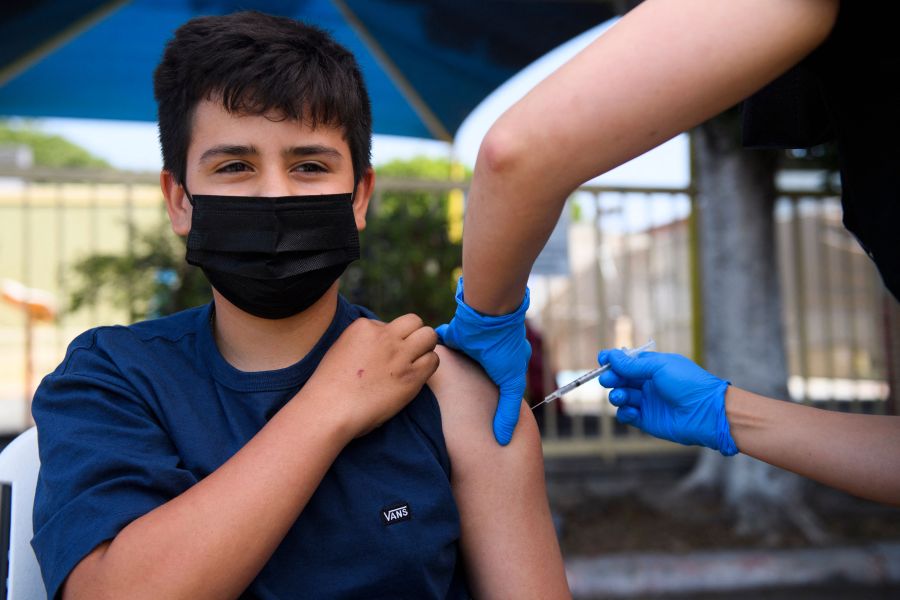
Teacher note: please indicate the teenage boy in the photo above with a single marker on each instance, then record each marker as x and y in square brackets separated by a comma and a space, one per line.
[278, 442]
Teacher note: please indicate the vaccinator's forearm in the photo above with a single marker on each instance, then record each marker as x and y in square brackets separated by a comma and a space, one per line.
[665, 67]
[857, 453]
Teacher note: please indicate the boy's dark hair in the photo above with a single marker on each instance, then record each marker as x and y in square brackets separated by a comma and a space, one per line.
[257, 63]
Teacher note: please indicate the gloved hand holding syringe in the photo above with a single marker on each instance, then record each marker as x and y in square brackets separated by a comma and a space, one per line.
[649, 346]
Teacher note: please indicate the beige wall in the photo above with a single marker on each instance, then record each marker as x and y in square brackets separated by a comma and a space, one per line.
[44, 229]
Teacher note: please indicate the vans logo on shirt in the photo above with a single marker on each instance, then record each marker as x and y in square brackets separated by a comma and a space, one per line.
[395, 513]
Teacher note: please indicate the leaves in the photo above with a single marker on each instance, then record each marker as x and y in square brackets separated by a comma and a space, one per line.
[152, 280]
[50, 150]
[409, 263]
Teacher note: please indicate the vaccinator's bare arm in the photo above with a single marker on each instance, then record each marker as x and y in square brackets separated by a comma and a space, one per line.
[665, 67]
[857, 453]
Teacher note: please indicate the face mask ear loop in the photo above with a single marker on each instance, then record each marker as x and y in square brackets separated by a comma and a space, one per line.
[188, 194]
[353, 192]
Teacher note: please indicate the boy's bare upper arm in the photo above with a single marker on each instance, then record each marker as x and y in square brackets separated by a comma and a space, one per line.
[74, 585]
[508, 540]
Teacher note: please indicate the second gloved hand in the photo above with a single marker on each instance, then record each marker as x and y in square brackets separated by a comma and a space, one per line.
[498, 344]
[670, 397]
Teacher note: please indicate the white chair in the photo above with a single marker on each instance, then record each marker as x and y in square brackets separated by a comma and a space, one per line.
[19, 463]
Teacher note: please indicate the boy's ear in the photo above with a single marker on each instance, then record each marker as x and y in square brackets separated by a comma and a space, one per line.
[177, 204]
[361, 198]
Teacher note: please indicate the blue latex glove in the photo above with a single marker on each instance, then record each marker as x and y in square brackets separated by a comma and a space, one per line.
[670, 397]
[499, 345]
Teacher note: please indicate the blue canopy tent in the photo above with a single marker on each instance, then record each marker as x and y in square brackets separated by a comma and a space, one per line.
[427, 63]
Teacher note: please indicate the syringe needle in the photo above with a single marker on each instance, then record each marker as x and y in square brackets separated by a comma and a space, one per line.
[549, 398]
[650, 345]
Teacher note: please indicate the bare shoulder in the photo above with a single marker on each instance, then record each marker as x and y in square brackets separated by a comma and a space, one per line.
[468, 400]
[461, 386]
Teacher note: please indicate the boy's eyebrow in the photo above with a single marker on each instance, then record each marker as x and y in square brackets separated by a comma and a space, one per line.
[228, 150]
[312, 149]
[294, 151]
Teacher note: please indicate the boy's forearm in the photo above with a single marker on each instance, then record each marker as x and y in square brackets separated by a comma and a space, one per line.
[212, 540]
[853, 452]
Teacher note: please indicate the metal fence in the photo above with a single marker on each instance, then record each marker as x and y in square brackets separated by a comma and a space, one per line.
[632, 278]
[626, 275]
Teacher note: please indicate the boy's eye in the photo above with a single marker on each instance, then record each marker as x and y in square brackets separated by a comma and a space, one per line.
[235, 167]
[310, 168]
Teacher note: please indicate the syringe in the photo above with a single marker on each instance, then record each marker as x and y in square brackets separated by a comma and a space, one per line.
[592, 374]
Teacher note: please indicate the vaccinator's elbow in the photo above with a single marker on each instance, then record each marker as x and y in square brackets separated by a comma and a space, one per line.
[501, 154]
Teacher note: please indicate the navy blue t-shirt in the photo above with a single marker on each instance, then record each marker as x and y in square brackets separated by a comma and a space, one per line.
[134, 416]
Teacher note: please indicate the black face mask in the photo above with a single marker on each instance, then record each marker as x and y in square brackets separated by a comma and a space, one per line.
[272, 257]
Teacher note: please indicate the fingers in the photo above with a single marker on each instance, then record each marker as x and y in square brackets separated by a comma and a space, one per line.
[427, 363]
[603, 357]
[418, 338]
[611, 379]
[626, 397]
[507, 415]
[422, 340]
[420, 344]
[629, 415]
[642, 366]
[405, 325]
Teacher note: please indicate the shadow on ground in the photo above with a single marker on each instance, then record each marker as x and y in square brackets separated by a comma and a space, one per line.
[610, 510]
[623, 507]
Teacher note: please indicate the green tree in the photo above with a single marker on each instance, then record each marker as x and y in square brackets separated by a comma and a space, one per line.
[409, 263]
[152, 280]
[50, 150]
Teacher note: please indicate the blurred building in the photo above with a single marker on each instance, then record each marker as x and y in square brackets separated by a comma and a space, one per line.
[627, 286]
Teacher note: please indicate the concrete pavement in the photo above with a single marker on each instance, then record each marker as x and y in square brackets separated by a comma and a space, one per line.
[643, 575]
